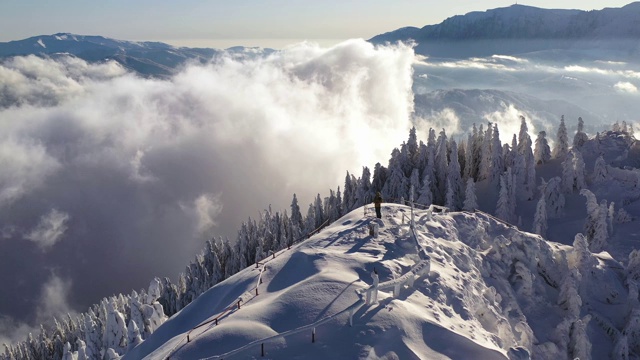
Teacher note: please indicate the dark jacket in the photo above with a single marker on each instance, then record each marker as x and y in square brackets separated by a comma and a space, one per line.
[377, 200]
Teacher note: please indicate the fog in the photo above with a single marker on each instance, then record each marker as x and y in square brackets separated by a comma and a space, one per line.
[109, 179]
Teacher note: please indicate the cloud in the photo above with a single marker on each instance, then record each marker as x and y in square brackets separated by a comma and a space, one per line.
[445, 118]
[52, 302]
[625, 87]
[204, 209]
[141, 167]
[508, 121]
[49, 230]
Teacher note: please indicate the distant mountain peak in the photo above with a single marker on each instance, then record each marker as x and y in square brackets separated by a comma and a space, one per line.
[527, 22]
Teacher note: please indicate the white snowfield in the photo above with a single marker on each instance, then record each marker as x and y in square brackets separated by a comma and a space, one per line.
[487, 291]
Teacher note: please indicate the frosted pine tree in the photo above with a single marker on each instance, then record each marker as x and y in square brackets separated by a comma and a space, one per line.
[115, 332]
[554, 198]
[363, 190]
[561, 147]
[133, 335]
[449, 201]
[397, 185]
[579, 343]
[470, 200]
[542, 152]
[581, 137]
[414, 182]
[453, 176]
[620, 348]
[442, 164]
[503, 206]
[497, 160]
[578, 167]
[568, 297]
[378, 181]
[467, 173]
[82, 350]
[600, 235]
[67, 354]
[633, 266]
[540, 218]
[591, 223]
[425, 194]
[462, 160]
[600, 171]
[632, 330]
[568, 174]
[484, 169]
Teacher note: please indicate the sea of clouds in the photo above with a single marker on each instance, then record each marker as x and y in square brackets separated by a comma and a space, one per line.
[109, 179]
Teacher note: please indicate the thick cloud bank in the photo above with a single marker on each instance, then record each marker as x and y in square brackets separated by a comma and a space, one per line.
[109, 179]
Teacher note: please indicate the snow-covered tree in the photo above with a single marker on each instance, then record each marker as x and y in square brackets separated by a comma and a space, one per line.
[442, 164]
[540, 219]
[620, 348]
[363, 188]
[568, 297]
[581, 137]
[504, 207]
[554, 199]
[67, 354]
[378, 181]
[115, 332]
[568, 174]
[454, 177]
[632, 330]
[414, 182]
[596, 225]
[542, 151]
[397, 185]
[579, 171]
[425, 194]
[470, 200]
[579, 343]
[484, 168]
[82, 350]
[561, 147]
[449, 201]
[622, 217]
[600, 172]
[133, 335]
[497, 160]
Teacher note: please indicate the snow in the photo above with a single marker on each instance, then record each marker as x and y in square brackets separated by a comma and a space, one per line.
[41, 43]
[456, 285]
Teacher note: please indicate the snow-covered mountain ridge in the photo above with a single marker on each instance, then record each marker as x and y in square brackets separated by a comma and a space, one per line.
[519, 29]
[527, 22]
[492, 291]
[144, 57]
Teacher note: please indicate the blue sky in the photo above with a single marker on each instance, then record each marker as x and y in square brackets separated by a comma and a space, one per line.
[241, 22]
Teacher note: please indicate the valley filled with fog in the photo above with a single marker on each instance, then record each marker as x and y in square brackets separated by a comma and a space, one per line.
[110, 178]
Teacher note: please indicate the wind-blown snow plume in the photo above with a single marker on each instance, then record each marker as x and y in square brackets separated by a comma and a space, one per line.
[142, 170]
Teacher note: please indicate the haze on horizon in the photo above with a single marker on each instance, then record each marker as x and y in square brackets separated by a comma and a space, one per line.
[275, 23]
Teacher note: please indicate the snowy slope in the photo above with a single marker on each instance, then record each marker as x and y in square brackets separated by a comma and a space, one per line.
[491, 290]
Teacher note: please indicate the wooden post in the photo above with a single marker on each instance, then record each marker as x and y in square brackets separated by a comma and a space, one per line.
[216, 321]
[239, 303]
[188, 338]
[262, 346]
[313, 335]
[256, 291]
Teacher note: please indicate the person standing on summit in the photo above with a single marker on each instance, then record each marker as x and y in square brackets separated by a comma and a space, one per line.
[377, 201]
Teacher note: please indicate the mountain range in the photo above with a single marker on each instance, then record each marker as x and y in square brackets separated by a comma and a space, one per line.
[143, 57]
[503, 30]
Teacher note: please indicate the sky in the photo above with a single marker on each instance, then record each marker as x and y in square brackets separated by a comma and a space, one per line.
[273, 23]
